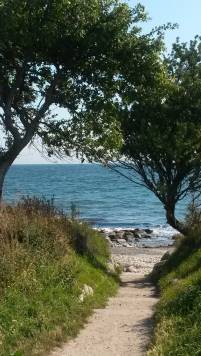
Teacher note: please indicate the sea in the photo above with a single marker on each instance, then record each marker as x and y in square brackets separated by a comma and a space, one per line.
[103, 198]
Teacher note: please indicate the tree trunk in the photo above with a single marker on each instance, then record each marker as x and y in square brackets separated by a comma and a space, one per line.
[172, 220]
[7, 160]
[4, 167]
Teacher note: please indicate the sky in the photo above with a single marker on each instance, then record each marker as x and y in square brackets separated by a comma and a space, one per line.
[186, 13]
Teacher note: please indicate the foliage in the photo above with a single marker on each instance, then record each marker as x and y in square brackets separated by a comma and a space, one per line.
[161, 130]
[139, 69]
[193, 216]
[88, 242]
[41, 278]
[178, 313]
[59, 65]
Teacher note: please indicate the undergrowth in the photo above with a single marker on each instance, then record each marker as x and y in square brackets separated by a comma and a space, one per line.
[45, 259]
[178, 313]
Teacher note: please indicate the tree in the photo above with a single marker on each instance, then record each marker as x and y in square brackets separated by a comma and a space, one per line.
[138, 70]
[161, 128]
[56, 54]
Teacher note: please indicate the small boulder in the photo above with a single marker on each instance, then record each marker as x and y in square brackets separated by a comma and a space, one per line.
[121, 241]
[130, 269]
[86, 292]
[129, 236]
[112, 236]
[130, 240]
[147, 237]
[139, 233]
[136, 235]
[119, 234]
[148, 231]
[126, 245]
[111, 267]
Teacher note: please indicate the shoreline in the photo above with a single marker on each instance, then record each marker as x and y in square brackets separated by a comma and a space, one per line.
[139, 237]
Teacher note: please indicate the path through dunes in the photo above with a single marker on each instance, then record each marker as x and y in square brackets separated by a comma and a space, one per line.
[121, 329]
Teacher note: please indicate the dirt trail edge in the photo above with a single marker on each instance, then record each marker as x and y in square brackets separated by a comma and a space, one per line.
[123, 328]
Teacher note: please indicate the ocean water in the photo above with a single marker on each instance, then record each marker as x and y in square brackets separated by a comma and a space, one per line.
[104, 198]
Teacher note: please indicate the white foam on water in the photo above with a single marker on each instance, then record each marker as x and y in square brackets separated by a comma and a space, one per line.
[161, 235]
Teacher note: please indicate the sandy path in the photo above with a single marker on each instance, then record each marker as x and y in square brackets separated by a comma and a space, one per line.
[123, 327]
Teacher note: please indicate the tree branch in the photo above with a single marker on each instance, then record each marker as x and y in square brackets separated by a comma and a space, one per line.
[32, 127]
[8, 102]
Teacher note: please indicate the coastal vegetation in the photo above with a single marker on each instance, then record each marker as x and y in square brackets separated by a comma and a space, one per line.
[161, 128]
[80, 77]
[178, 313]
[46, 259]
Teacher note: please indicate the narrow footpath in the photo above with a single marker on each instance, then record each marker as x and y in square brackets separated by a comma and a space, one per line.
[124, 327]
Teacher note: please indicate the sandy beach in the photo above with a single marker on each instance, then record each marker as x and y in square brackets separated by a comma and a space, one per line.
[138, 260]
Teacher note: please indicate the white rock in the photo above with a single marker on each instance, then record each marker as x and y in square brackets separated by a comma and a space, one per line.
[121, 241]
[130, 269]
[86, 292]
[111, 267]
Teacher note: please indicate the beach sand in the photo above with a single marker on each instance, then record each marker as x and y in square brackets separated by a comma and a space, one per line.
[142, 260]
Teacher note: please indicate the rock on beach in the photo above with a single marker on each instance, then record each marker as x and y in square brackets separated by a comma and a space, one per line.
[126, 238]
[140, 261]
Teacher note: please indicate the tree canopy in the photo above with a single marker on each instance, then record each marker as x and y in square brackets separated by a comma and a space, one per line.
[62, 54]
[161, 128]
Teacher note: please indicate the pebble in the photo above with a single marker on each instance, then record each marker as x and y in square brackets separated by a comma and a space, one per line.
[142, 263]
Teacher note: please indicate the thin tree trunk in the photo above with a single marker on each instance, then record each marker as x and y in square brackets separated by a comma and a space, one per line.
[7, 160]
[173, 221]
[4, 167]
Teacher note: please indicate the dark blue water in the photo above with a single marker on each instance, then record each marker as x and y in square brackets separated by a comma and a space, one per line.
[103, 197]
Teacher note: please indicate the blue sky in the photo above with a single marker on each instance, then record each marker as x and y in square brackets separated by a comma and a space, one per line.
[187, 13]
[184, 12]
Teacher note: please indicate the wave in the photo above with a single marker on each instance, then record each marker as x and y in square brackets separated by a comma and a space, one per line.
[161, 235]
